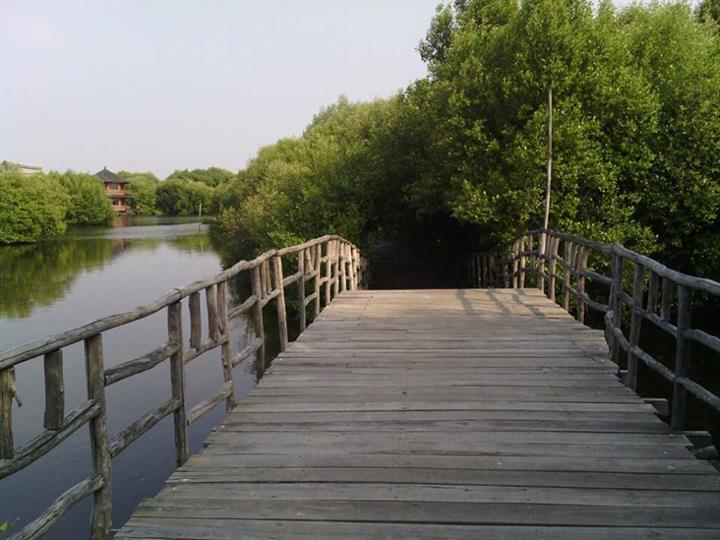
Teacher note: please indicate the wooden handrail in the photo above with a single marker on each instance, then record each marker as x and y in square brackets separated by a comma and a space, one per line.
[656, 289]
[345, 270]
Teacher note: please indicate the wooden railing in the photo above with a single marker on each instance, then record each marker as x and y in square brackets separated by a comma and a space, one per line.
[327, 265]
[592, 276]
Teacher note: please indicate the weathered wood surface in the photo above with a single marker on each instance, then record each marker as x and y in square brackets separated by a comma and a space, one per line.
[440, 414]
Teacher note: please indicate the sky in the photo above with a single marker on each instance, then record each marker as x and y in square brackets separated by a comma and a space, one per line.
[161, 85]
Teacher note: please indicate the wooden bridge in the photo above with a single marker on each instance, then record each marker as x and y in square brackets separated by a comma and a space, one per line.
[466, 413]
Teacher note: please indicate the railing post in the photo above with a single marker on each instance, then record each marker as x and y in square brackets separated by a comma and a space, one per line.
[54, 390]
[542, 244]
[226, 348]
[280, 303]
[212, 311]
[328, 272]
[552, 267]
[177, 380]
[257, 291]
[618, 264]
[355, 264]
[317, 268]
[521, 278]
[567, 268]
[341, 266]
[7, 445]
[301, 290]
[101, 521]
[336, 256]
[682, 355]
[635, 325]
[652, 293]
[195, 320]
[580, 265]
[666, 300]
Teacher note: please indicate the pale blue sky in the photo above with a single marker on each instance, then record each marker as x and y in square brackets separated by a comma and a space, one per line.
[161, 85]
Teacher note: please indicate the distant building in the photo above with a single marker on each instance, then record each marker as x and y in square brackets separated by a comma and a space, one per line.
[24, 168]
[115, 189]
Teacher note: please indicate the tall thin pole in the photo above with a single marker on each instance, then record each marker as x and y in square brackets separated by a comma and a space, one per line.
[549, 159]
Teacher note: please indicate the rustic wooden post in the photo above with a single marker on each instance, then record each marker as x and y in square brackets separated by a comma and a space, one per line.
[265, 274]
[101, 521]
[522, 263]
[652, 293]
[195, 320]
[280, 303]
[341, 266]
[336, 266]
[635, 325]
[552, 267]
[257, 290]
[682, 356]
[301, 290]
[7, 445]
[328, 273]
[212, 311]
[567, 265]
[616, 303]
[581, 264]
[177, 381]
[54, 391]
[515, 265]
[317, 267]
[355, 264]
[542, 245]
[226, 348]
[666, 300]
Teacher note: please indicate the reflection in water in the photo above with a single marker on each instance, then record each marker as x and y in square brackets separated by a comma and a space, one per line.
[90, 273]
[38, 275]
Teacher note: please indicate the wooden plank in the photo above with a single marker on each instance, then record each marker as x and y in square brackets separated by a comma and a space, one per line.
[446, 477]
[432, 410]
[211, 529]
[434, 512]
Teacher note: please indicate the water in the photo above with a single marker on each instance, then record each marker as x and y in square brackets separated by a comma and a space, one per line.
[57, 285]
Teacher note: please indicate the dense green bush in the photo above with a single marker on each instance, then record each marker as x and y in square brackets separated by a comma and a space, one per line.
[461, 153]
[177, 197]
[143, 192]
[31, 207]
[213, 177]
[87, 202]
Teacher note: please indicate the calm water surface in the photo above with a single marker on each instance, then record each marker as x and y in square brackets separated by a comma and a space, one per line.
[51, 287]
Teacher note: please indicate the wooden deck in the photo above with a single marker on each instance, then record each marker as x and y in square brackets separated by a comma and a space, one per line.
[440, 414]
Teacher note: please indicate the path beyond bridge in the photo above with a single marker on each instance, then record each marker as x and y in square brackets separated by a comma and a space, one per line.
[462, 413]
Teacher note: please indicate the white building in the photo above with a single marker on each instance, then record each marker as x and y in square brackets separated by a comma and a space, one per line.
[24, 168]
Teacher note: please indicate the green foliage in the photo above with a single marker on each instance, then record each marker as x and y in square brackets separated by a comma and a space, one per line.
[460, 155]
[637, 123]
[709, 10]
[143, 192]
[213, 177]
[31, 207]
[177, 197]
[87, 202]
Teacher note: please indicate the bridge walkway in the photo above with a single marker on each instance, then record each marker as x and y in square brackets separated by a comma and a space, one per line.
[461, 413]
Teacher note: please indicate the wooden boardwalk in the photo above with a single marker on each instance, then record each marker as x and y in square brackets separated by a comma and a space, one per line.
[440, 414]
